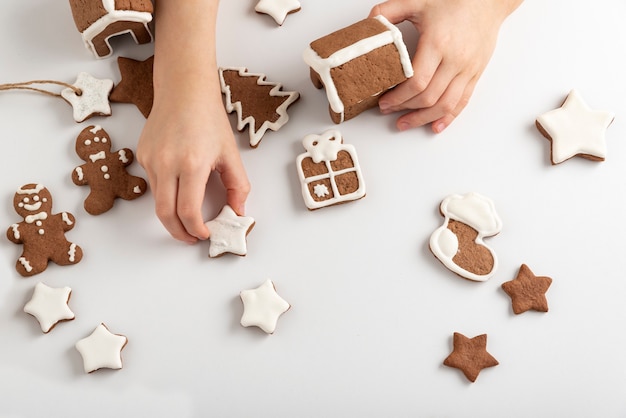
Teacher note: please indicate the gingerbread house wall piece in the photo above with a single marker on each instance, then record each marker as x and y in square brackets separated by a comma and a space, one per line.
[329, 171]
[357, 64]
[100, 20]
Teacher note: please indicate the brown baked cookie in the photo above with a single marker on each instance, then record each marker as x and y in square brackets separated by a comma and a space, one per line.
[136, 85]
[260, 104]
[100, 20]
[459, 244]
[470, 355]
[104, 171]
[41, 233]
[329, 171]
[357, 64]
[528, 291]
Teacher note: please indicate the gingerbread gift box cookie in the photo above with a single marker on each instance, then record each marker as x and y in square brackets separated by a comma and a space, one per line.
[329, 171]
[459, 244]
[357, 64]
[104, 171]
[99, 20]
[41, 233]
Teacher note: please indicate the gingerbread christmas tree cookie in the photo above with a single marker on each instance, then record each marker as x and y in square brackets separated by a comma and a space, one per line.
[329, 171]
[259, 104]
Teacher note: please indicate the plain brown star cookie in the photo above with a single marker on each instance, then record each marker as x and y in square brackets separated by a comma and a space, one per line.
[528, 291]
[136, 85]
[470, 355]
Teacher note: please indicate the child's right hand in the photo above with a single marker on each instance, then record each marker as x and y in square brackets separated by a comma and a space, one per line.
[457, 39]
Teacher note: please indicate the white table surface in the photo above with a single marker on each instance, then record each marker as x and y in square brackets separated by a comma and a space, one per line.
[373, 312]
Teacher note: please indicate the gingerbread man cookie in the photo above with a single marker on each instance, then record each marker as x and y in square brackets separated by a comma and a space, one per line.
[41, 233]
[459, 244]
[104, 171]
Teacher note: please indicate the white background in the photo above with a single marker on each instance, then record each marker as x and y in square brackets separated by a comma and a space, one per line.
[373, 312]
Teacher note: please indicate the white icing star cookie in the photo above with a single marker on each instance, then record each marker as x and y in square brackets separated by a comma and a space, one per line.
[101, 349]
[49, 306]
[575, 129]
[262, 307]
[277, 9]
[228, 233]
[93, 98]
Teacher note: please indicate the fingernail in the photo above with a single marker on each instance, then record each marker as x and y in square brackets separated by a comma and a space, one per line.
[384, 106]
[438, 128]
[403, 126]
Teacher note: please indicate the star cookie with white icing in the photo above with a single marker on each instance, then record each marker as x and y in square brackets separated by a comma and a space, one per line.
[102, 349]
[262, 307]
[277, 9]
[49, 306]
[92, 99]
[228, 232]
[574, 129]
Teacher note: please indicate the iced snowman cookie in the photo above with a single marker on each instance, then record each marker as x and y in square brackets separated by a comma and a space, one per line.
[41, 233]
[458, 243]
[104, 171]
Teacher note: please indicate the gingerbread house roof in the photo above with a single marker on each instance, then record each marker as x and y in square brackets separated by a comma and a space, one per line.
[349, 44]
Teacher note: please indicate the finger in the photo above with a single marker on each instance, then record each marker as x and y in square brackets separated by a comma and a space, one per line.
[442, 123]
[433, 93]
[395, 11]
[447, 103]
[425, 64]
[165, 194]
[235, 180]
[191, 191]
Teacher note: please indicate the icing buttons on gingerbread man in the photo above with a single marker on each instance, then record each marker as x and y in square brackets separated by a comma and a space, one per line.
[41, 233]
[104, 171]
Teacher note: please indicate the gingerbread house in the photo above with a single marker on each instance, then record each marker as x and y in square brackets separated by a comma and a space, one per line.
[357, 64]
[99, 20]
[329, 171]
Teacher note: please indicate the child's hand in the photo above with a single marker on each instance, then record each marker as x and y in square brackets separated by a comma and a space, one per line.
[181, 144]
[457, 39]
